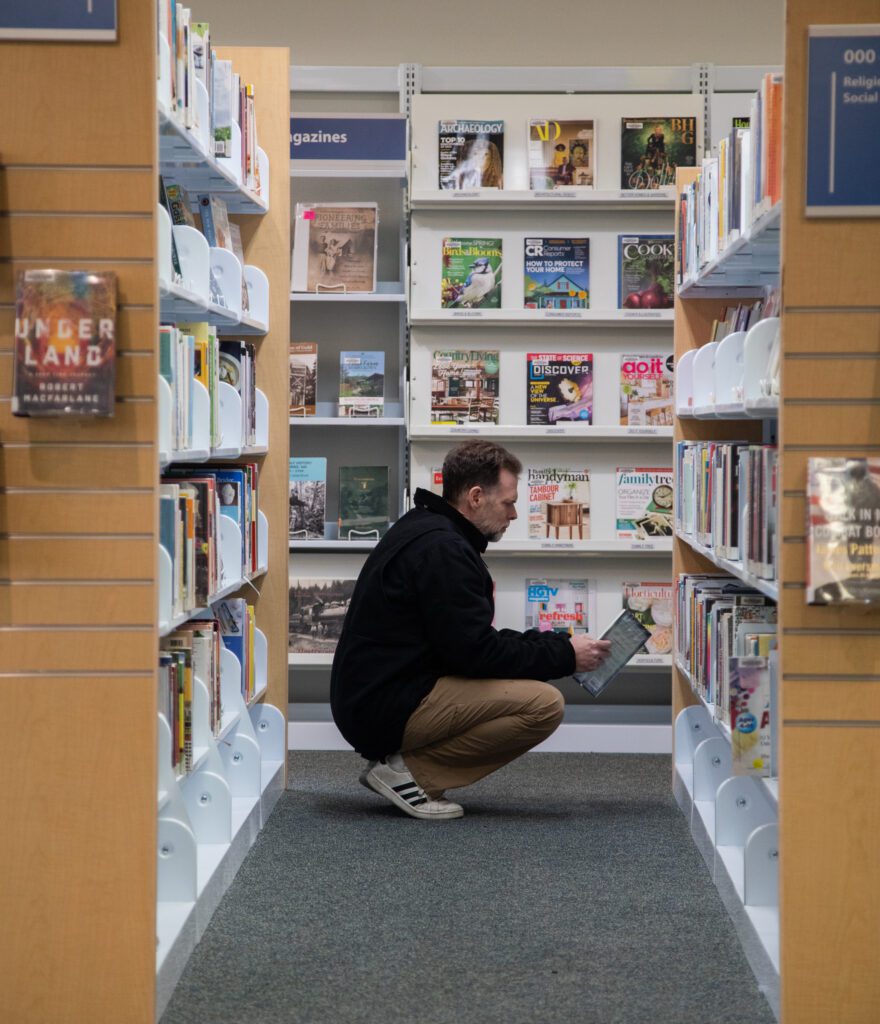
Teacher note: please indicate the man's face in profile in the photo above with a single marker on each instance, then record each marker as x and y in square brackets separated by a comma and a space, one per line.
[497, 509]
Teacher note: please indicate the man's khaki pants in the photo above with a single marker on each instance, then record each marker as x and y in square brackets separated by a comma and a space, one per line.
[466, 728]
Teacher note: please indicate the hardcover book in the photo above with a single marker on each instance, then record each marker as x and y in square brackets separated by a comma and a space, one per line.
[303, 378]
[65, 343]
[223, 106]
[559, 606]
[562, 154]
[471, 154]
[645, 271]
[651, 603]
[215, 221]
[644, 503]
[464, 387]
[363, 502]
[317, 609]
[559, 503]
[334, 247]
[308, 499]
[361, 384]
[646, 390]
[471, 275]
[556, 273]
[653, 148]
[749, 689]
[559, 388]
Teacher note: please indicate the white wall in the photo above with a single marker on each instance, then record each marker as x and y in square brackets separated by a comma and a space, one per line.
[578, 33]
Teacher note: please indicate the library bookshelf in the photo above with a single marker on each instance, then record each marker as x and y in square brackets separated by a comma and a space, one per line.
[79, 591]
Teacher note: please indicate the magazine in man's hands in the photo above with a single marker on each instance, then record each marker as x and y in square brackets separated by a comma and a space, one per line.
[627, 635]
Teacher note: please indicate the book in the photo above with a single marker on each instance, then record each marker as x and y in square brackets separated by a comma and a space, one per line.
[556, 273]
[558, 500]
[562, 154]
[653, 148]
[317, 609]
[843, 531]
[471, 274]
[65, 343]
[749, 710]
[464, 387]
[238, 250]
[179, 205]
[471, 154]
[308, 498]
[334, 247]
[361, 384]
[303, 378]
[627, 636]
[363, 502]
[221, 112]
[651, 603]
[645, 271]
[646, 390]
[644, 503]
[559, 387]
[215, 221]
[560, 605]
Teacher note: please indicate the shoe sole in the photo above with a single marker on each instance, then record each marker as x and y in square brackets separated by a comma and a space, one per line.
[377, 786]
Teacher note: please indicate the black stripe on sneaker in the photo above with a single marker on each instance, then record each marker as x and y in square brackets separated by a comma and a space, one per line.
[416, 802]
[405, 785]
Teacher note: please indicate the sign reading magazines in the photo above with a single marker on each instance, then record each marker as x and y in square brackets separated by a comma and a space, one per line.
[348, 138]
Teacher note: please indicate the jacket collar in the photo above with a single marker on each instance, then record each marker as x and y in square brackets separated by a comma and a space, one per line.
[434, 503]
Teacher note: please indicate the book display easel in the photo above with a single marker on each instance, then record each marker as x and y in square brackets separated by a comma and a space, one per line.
[82, 583]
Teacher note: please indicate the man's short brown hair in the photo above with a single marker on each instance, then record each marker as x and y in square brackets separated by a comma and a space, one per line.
[475, 464]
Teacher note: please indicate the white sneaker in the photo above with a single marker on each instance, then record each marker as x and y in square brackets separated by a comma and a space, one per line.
[397, 785]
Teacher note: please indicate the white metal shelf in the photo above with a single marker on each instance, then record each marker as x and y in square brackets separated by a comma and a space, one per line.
[356, 169]
[634, 318]
[332, 545]
[386, 291]
[179, 304]
[568, 432]
[767, 587]
[577, 199]
[309, 660]
[596, 548]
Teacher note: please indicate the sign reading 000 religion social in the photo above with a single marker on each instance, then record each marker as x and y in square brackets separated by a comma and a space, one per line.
[74, 20]
[843, 121]
[348, 138]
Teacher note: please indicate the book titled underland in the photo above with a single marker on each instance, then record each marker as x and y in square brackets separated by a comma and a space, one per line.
[556, 273]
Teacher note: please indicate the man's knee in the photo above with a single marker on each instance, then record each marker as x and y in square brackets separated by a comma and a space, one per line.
[547, 704]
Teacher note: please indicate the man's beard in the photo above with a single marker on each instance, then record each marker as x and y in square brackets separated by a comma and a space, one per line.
[495, 537]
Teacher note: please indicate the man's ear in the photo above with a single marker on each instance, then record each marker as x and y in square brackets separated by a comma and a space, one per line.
[475, 495]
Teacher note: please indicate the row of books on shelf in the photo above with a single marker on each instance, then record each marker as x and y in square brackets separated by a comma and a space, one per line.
[725, 639]
[735, 186]
[557, 500]
[318, 607]
[192, 503]
[230, 101]
[465, 386]
[727, 499]
[192, 652]
[562, 154]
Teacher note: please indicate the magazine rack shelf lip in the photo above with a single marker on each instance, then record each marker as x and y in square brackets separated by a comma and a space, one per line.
[590, 548]
[395, 169]
[386, 291]
[332, 545]
[544, 199]
[767, 587]
[510, 432]
[628, 318]
[326, 417]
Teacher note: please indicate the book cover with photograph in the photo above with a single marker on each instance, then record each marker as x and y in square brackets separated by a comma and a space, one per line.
[65, 343]
[464, 387]
[646, 390]
[644, 503]
[651, 603]
[471, 273]
[559, 606]
[317, 609]
[559, 388]
[843, 535]
[749, 705]
[334, 247]
[562, 154]
[556, 273]
[307, 499]
[559, 503]
[471, 154]
[363, 502]
[303, 358]
[653, 148]
[361, 384]
[645, 268]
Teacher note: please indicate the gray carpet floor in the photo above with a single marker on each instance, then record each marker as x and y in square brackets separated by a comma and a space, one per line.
[570, 893]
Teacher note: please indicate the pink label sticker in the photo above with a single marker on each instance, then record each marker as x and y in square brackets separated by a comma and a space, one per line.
[309, 215]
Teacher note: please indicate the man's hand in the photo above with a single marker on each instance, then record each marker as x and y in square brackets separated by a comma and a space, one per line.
[589, 653]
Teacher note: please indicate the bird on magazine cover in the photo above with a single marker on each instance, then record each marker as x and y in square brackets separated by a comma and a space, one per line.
[479, 283]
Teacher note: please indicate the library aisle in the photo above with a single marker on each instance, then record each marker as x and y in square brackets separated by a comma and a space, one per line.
[571, 891]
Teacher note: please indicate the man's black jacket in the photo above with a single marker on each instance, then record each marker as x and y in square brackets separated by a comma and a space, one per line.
[422, 608]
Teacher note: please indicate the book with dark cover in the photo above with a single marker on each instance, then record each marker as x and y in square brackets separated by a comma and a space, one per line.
[645, 271]
[471, 154]
[363, 501]
[556, 273]
[653, 148]
[559, 387]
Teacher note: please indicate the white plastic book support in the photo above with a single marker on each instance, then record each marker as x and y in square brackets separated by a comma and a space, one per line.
[712, 766]
[165, 403]
[195, 260]
[163, 247]
[740, 807]
[271, 731]
[262, 542]
[761, 888]
[163, 82]
[227, 272]
[230, 687]
[166, 593]
[230, 418]
[362, 534]
[729, 373]
[684, 384]
[230, 550]
[205, 791]
[261, 429]
[261, 660]
[263, 165]
[177, 879]
[232, 164]
[760, 365]
[241, 757]
[203, 109]
[258, 294]
[201, 427]
[692, 726]
[704, 380]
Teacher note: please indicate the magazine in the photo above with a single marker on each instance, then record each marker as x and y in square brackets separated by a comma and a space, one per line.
[307, 498]
[361, 384]
[651, 603]
[646, 390]
[303, 378]
[471, 273]
[559, 387]
[652, 148]
[471, 154]
[644, 503]
[556, 273]
[627, 636]
[317, 610]
[559, 500]
[562, 154]
[464, 387]
[645, 271]
[334, 247]
[559, 605]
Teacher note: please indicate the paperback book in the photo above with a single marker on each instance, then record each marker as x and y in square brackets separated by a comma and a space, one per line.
[560, 605]
[464, 387]
[471, 274]
[317, 609]
[561, 154]
[556, 273]
[646, 390]
[644, 503]
[303, 358]
[363, 502]
[653, 148]
[471, 154]
[651, 603]
[559, 501]
[334, 247]
[559, 388]
[308, 499]
[646, 266]
[65, 343]
[361, 384]
[749, 682]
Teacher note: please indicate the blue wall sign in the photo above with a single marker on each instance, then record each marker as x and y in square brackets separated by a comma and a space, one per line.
[843, 121]
[77, 20]
[348, 138]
